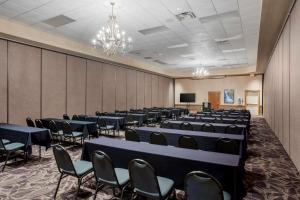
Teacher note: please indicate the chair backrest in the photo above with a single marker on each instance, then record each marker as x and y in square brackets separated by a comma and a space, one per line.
[186, 126]
[97, 113]
[199, 184]
[129, 118]
[29, 122]
[208, 128]
[67, 128]
[66, 117]
[165, 124]
[101, 122]
[53, 127]
[103, 168]
[232, 129]
[225, 145]
[187, 142]
[81, 117]
[131, 135]
[63, 160]
[39, 123]
[75, 117]
[239, 121]
[143, 178]
[2, 146]
[158, 138]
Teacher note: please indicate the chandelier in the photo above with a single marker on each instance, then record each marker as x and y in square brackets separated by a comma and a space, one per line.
[111, 38]
[200, 72]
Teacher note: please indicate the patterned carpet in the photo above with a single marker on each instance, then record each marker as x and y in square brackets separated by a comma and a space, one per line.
[270, 174]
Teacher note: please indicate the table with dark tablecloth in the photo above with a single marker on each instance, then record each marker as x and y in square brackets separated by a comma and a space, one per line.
[206, 141]
[26, 135]
[219, 127]
[215, 120]
[172, 162]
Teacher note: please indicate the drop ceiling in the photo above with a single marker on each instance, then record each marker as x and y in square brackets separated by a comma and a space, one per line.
[174, 34]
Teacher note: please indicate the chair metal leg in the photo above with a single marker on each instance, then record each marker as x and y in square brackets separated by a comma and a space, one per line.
[40, 152]
[61, 175]
[7, 156]
[79, 183]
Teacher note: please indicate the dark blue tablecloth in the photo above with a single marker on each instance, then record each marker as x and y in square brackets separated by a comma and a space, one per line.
[206, 141]
[219, 127]
[215, 120]
[26, 135]
[172, 162]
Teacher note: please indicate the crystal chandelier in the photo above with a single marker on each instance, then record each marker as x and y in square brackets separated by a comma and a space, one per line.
[200, 72]
[111, 38]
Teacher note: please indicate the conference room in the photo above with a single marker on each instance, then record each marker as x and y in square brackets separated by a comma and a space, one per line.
[149, 99]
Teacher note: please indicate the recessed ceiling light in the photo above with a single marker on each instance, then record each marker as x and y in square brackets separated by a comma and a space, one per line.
[233, 50]
[178, 46]
[187, 55]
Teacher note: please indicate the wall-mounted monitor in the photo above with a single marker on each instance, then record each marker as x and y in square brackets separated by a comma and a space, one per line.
[187, 97]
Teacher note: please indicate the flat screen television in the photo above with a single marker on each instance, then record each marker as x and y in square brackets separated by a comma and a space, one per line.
[187, 97]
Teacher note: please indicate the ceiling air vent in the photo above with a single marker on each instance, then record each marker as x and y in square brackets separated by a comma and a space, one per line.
[153, 30]
[136, 52]
[148, 57]
[160, 62]
[185, 15]
[58, 21]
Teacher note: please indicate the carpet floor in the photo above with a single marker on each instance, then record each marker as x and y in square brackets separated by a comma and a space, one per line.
[269, 173]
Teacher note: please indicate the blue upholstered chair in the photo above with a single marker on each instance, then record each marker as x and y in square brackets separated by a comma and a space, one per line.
[131, 135]
[73, 136]
[146, 183]
[103, 126]
[106, 174]
[225, 145]
[208, 128]
[55, 132]
[202, 186]
[158, 138]
[9, 148]
[186, 126]
[187, 142]
[29, 122]
[67, 167]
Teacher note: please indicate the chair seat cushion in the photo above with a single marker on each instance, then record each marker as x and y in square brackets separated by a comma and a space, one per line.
[165, 185]
[77, 134]
[226, 196]
[82, 167]
[14, 146]
[108, 127]
[132, 122]
[122, 175]
[58, 133]
[4, 141]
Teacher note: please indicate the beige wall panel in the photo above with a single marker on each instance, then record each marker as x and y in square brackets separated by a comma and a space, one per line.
[3, 81]
[148, 90]
[154, 89]
[286, 88]
[294, 86]
[24, 82]
[94, 87]
[171, 93]
[131, 89]
[121, 88]
[161, 85]
[109, 88]
[166, 92]
[276, 91]
[140, 91]
[54, 88]
[76, 85]
[280, 92]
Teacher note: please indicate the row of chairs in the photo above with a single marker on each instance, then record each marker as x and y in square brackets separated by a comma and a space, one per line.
[206, 127]
[223, 145]
[140, 175]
